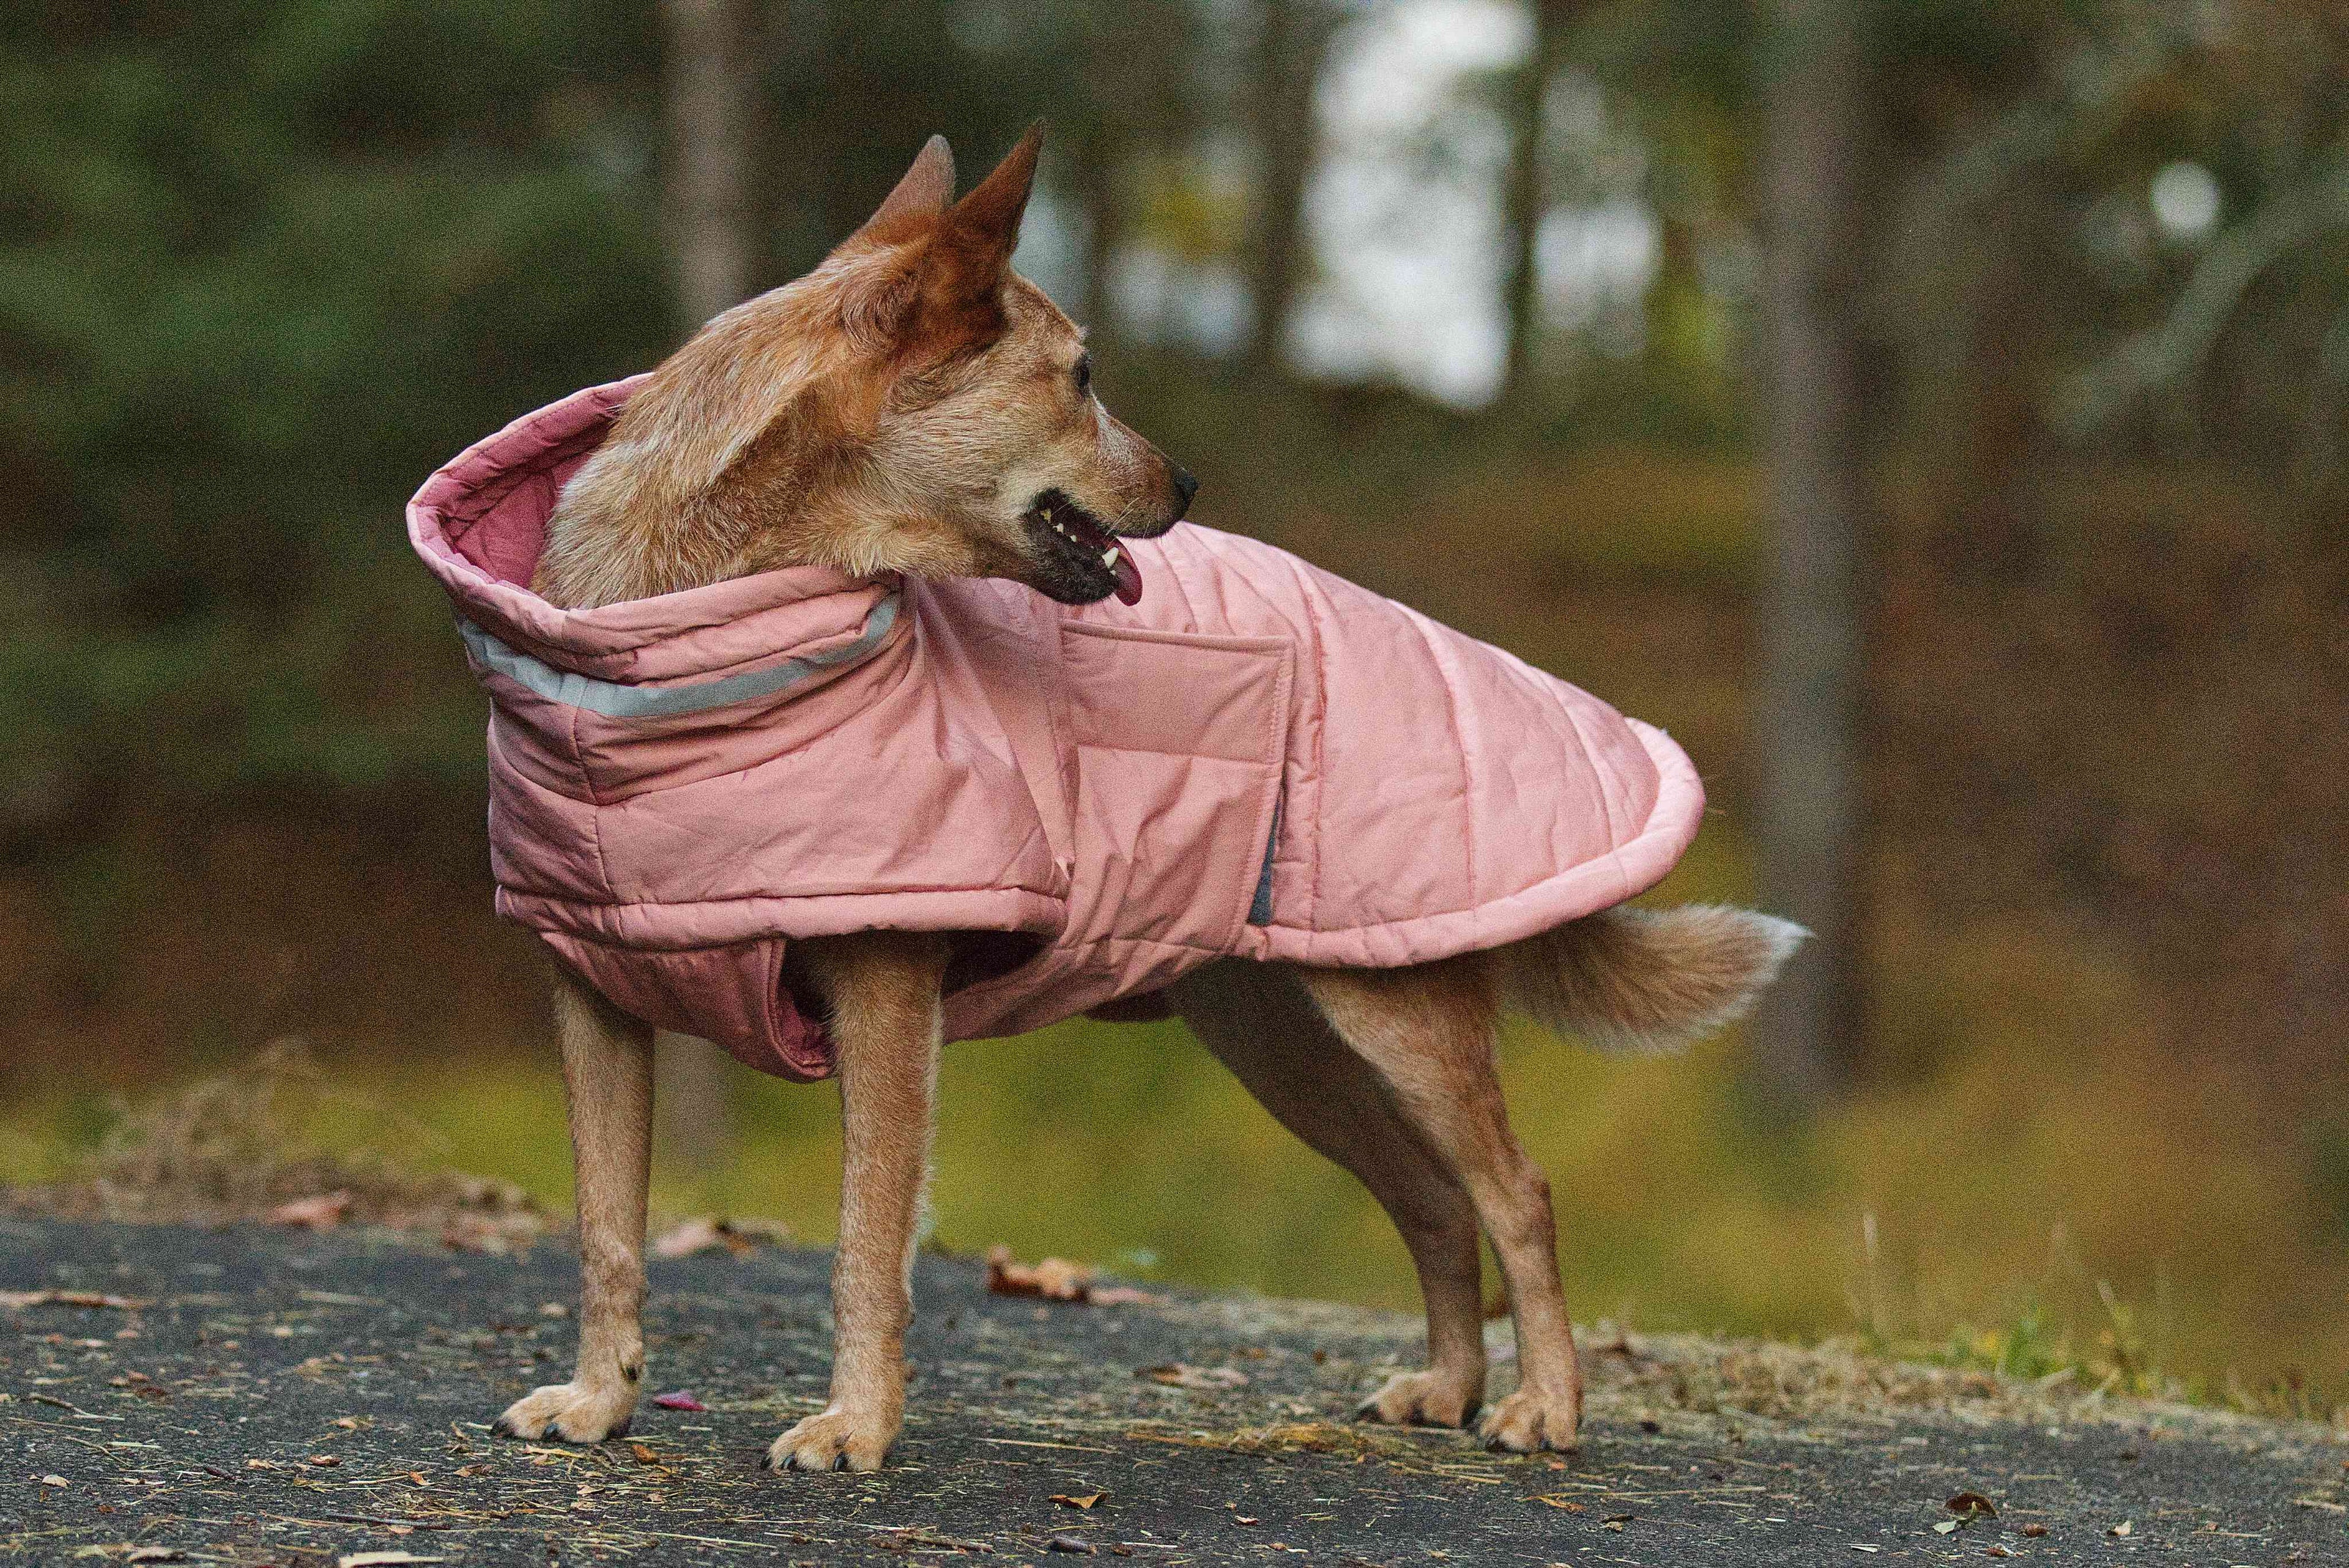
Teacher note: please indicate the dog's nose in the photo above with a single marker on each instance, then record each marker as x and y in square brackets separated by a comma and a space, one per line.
[1185, 487]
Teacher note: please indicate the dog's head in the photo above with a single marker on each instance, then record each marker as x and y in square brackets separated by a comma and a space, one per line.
[912, 405]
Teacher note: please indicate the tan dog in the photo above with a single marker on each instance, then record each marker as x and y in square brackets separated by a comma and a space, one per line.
[914, 406]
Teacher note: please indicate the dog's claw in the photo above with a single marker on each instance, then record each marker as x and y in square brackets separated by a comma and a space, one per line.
[833, 1440]
[569, 1413]
[1429, 1399]
[1531, 1420]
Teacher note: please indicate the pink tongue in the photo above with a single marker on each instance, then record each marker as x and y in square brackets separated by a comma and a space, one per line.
[1128, 576]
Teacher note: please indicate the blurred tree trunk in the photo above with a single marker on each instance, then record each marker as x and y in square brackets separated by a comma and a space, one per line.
[1122, 122]
[1291, 37]
[1523, 202]
[709, 89]
[1098, 167]
[1806, 1036]
[710, 92]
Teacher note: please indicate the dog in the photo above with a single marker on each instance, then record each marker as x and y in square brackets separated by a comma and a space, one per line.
[914, 412]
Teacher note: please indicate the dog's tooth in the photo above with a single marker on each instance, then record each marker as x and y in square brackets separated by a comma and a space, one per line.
[1109, 557]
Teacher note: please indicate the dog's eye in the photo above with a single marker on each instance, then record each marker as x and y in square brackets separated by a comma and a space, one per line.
[1084, 374]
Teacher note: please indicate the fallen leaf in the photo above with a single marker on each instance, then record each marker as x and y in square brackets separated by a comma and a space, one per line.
[757, 1228]
[1054, 1279]
[678, 1400]
[1180, 1375]
[688, 1237]
[54, 1480]
[645, 1456]
[1123, 1295]
[348, 1423]
[322, 1212]
[1997, 1551]
[326, 1461]
[1945, 1527]
[707, 1233]
[1245, 1519]
[417, 1477]
[1058, 1279]
[2123, 1528]
[259, 1464]
[1070, 1543]
[491, 1234]
[1087, 1501]
[2035, 1530]
[23, 1298]
[1966, 1504]
[381, 1558]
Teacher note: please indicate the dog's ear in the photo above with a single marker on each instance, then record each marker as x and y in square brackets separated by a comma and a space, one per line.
[883, 282]
[974, 244]
[924, 194]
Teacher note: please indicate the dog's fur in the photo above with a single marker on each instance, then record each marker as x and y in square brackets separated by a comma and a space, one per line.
[914, 406]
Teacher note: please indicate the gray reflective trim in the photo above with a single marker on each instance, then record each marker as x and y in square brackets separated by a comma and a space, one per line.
[1260, 907]
[614, 700]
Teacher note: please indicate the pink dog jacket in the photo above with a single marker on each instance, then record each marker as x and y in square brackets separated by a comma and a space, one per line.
[1259, 759]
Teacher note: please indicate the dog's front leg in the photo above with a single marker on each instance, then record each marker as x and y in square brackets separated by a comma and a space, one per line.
[883, 991]
[607, 1073]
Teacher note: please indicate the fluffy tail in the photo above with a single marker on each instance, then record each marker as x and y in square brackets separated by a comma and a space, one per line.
[1640, 981]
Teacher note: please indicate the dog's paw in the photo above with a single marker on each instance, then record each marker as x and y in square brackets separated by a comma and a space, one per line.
[1533, 1419]
[1432, 1399]
[569, 1412]
[837, 1439]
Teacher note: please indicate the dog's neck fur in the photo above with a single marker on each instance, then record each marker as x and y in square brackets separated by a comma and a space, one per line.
[745, 452]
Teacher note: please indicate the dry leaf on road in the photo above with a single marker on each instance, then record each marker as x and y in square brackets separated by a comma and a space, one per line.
[1181, 1375]
[1058, 1279]
[322, 1212]
[707, 1232]
[1054, 1279]
[23, 1298]
[1123, 1295]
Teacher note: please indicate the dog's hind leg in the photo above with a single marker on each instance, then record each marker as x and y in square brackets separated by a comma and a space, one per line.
[1262, 1025]
[607, 1075]
[883, 989]
[1429, 1033]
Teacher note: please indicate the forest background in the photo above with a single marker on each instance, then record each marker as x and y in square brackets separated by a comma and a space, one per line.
[1931, 412]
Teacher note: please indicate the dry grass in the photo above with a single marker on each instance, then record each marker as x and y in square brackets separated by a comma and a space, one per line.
[243, 1145]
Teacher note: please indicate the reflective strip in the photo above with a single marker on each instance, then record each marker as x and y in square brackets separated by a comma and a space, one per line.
[614, 700]
[1260, 907]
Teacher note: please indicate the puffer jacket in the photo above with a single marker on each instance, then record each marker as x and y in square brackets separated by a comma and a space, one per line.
[1259, 759]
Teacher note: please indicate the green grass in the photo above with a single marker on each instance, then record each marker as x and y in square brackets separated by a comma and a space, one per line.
[2066, 1196]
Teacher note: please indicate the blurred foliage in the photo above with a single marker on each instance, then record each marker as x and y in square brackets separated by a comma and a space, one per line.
[261, 268]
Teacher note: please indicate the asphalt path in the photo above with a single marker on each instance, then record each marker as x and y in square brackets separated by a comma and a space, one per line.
[256, 1396]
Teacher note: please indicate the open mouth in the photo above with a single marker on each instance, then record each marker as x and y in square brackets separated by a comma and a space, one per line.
[1092, 557]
